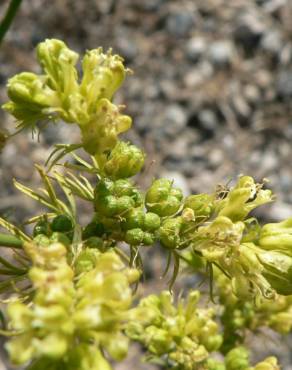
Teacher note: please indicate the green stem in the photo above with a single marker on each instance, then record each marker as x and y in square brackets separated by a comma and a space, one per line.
[8, 18]
[11, 241]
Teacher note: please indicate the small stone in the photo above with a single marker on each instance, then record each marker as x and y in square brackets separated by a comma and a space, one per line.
[284, 84]
[175, 119]
[127, 48]
[208, 120]
[251, 93]
[180, 23]
[221, 53]
[195, 48]
[272, 42]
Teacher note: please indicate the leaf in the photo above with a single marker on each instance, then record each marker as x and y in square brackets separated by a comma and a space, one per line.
[14, 230]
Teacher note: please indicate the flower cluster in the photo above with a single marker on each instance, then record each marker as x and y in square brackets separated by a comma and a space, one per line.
[76, 312]
[182, 336]
[75, 309]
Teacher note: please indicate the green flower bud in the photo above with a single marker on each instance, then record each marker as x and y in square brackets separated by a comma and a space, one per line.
[281, 322]
[124, 203]
[270, 363]
[169, 232]
[58, 62]
[107, 206]
[103, 74]
[86, 260]
[94, 228]
[162, 198]
[62, 223]
[32, 99]
[201, 204]
[57, 237]
[42, 240]
[148, 238]
[95, 242]
[101, 133]
[42, 227]
[152, 221]
[123, 187]
[237, 359]
[134, 219]
[277, 270]
[277, 236]
[213, 364]
[104, 187]
[125, 160]
[134, 236]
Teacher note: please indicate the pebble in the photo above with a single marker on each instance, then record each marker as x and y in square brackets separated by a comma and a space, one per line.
[174, 120]
[180, 23]
[221, 53]
[195, 48]
[284, 84]
[272, 42]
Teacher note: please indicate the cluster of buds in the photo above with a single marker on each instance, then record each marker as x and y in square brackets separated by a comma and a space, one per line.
[78, 310]
[181, 336]
[238, 359]
[241, 315]
[75, 311]
[59, 94]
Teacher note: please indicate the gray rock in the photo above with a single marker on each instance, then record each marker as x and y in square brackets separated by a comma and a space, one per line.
[272, 42]
[195, 48]
[127, 48]
[284, 84]
[175, 119]
[221, 52]
[180, 23]
[208, 120]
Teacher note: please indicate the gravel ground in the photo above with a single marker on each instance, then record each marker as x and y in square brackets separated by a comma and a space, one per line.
[210, 94]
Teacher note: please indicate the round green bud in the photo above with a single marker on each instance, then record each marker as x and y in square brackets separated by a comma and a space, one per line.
[123, 187]
[137, 197]
[134, 219]
[62, 223]
[162, 199]
[152, 221]
[277, 270]
[201, 204]
[42, 240]
[134, 236]
[125, 160]
[103, 188]
[107, 206]
[94, 228]
[94, 242]
[237, 359]
[42, 227]
[58, 237]
[148, 238]
[169, 232]
[124, 203]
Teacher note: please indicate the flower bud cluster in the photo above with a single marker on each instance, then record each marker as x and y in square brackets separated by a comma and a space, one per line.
[182, 335]
[57, 94]
[76, 311]
[240, 315]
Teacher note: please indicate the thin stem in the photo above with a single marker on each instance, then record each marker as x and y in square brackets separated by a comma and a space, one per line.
[11, 241]
[8, 18]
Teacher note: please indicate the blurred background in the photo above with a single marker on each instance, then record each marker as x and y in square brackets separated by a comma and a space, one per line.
[210, 95]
